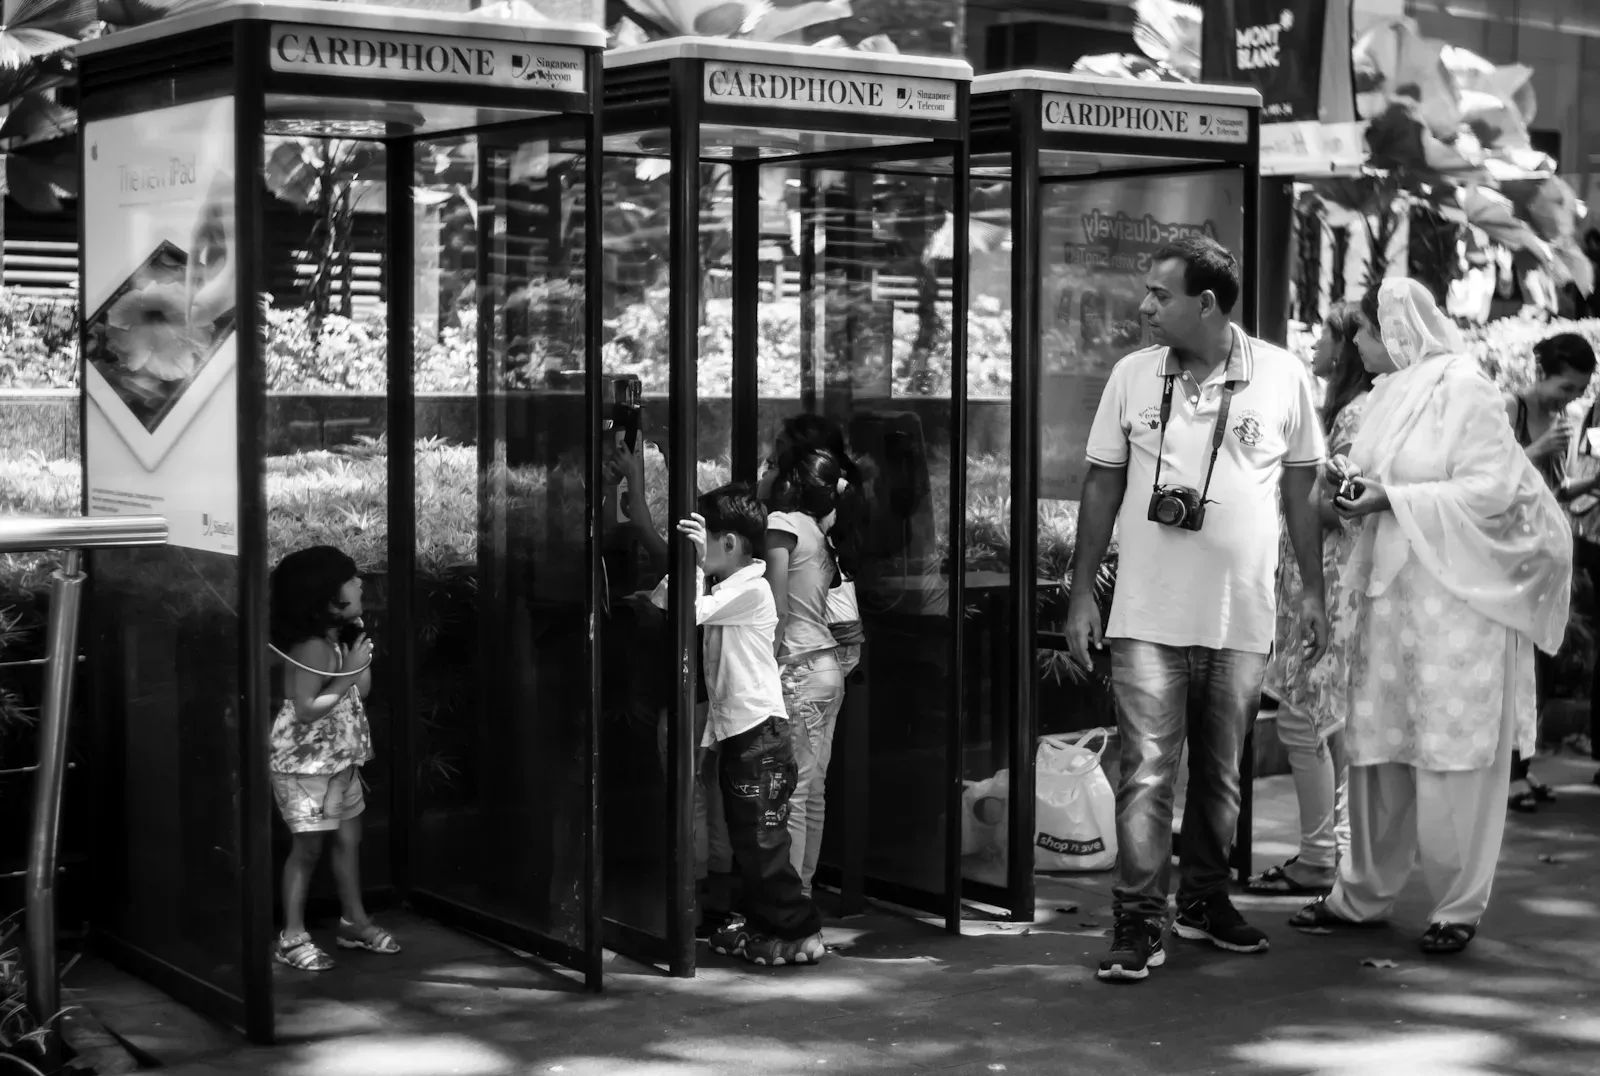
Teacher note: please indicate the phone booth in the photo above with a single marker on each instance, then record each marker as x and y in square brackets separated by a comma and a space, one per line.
[1086, 178]
[786, 234]
[337, 280]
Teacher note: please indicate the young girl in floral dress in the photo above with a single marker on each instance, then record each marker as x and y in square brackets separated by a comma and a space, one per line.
[320, 740]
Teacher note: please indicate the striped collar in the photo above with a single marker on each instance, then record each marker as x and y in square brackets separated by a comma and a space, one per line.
[1241, 366]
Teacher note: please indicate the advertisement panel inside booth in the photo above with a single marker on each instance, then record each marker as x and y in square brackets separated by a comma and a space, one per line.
[159, 256]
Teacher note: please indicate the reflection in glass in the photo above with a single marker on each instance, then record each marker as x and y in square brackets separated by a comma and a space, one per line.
[988, 558]
[500, 677]
[855, 325]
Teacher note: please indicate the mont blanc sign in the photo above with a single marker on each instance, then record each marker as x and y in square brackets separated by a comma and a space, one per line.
[375, 54]
[859, 93]
[1145, 119]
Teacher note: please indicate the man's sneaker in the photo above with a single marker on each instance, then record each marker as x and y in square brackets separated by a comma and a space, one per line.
[773, 952]
[1135, 949]
[732, 937]
[1216, 920]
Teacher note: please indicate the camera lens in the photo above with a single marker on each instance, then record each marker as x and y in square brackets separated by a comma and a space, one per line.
[1169, 511]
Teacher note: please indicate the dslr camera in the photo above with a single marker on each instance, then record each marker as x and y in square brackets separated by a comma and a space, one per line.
[1177, 506]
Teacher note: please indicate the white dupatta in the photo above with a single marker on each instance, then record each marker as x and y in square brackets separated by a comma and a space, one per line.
[1486, 526]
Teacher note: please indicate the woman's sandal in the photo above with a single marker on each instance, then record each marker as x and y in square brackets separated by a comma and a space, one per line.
[371, 937]
[1275, 881]
[301, 953]
[1447, 938]
[1528, 802]
[1317, 917]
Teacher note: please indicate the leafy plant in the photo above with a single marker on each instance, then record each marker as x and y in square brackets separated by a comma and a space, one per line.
[21, 1036]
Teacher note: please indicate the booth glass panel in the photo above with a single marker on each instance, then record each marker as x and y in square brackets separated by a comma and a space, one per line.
[171, 865]
[991, 720]
[1096, 236]
[502, 741]
[636, 640]
[165, 621]
[865, 341]
[327, 467]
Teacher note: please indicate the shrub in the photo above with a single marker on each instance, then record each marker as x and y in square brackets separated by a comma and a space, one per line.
[39, 347]
[38, 342]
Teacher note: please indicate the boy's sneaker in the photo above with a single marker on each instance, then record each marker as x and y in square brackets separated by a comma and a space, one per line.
[774, 952]
[1135, 949]
[732, 938]
[1216, 920]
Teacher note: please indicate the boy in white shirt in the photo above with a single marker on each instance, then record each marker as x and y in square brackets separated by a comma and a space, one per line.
[748, 724]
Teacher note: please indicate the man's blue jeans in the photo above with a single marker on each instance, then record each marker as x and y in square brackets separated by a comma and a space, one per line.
[1163, 694]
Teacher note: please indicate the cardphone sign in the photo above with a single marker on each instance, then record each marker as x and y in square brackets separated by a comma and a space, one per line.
[464, 61]
[1145, 118]
[855, 92]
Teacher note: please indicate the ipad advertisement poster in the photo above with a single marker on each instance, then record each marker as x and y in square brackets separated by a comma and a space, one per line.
[160, 352]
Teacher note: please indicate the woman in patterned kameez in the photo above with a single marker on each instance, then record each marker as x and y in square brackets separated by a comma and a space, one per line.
[1461, 568]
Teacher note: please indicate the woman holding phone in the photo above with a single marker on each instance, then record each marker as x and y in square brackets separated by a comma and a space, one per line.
[1554, 437]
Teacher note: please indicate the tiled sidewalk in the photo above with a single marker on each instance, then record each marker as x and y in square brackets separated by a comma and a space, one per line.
[903, 997]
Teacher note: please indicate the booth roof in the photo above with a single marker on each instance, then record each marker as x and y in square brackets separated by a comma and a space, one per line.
[1124, 88]
[352, 17]
[724, 50]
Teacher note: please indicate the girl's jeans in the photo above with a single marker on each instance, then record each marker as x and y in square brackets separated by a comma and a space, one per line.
[1320, 783]
[813, 692]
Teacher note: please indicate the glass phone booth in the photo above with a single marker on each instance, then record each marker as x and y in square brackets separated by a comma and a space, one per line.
[1076, 182]
[338, 267]
[786, 234]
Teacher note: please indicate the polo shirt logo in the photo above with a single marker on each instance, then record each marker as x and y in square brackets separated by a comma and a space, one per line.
[1151, 416]
[1249, 429]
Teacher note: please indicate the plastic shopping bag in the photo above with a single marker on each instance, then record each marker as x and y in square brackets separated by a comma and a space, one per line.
[983, 816]
[1076, 809]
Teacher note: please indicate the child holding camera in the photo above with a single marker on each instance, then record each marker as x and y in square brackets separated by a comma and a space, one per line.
[320, 739]
[747, 724]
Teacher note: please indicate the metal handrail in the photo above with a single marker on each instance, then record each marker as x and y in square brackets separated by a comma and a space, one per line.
[25, 534]
[72, 535]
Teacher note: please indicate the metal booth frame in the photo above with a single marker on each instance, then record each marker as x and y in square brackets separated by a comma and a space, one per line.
[664, 86]
[1010, 124]
[225, 52]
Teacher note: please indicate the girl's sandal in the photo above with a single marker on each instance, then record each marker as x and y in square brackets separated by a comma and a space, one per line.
[1276, 881]
[301, 953]
[371, 937]
[1447, 938]
[1318, 918]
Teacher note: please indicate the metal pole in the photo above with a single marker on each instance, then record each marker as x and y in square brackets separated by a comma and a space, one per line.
[44, 987]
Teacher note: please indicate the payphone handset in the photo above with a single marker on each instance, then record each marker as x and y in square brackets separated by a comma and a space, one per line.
[627, 395]
[627, 410]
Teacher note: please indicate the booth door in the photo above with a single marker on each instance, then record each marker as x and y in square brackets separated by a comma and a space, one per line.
[854, 324]
[503, 834]
[1088, 296]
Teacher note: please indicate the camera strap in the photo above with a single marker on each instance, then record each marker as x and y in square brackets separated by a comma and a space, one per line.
[1216, 434]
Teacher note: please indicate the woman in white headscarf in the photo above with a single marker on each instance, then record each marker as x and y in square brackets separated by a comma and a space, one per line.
[1462, 567]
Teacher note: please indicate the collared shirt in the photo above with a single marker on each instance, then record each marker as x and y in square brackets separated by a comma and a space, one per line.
[1213, 587]
[741, 625]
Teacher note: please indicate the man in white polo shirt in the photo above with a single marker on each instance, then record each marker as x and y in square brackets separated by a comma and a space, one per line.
[1192, 444]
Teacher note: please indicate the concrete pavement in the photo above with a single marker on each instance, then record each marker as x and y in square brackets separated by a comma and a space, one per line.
[903, 997]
